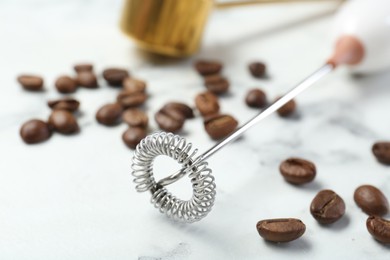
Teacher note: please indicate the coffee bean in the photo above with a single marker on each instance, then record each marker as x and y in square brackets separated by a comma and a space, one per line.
[206, 67]
[62, 121]
[327, 207]
[31, 82]
[135, 117]
[115, 76]
[185, 110]
[69, 104]
[287, 109]
[381, 150]
[281, 230]
[131, 99]
[257, 69]
[132, 136]
[220, 126]
[169, 120]
[86, 79]
[134, 85]
[83, 67]
[207, 103]
[256, 98]
[297, 170]
[379, 228]
[371, 200]
[66, 84]
[35, 131]
[109, 114]
[216, 84]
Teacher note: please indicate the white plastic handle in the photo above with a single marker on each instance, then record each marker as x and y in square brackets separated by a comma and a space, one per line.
[369, 21]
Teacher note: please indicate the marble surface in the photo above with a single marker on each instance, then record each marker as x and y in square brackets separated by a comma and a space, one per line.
[72, 197]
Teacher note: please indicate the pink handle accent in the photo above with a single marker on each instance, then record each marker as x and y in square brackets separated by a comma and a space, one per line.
[348, 50]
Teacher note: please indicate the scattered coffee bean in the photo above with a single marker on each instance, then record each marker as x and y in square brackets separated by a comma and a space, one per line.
[297, 170]
[66, 84]
[169, 120]
[135, 117]
[207, 103]
[256, 98]
[220, 126]
[371, 200]
[69, 104]
[109, 114]
[216, 84]
[281, 230]
[185, 110]
[327, 207]
[287, 109]
[86, 79]
[62, 121]
[132, 136]
[35, 131]
[379, 228]
[381, 150]
[31, 82]
[83, 67]
[115, 76]
[205, 67]
[131, 99]
[257, 69]
[134, 85]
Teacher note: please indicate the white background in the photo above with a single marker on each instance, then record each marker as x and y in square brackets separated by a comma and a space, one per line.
[72, 197]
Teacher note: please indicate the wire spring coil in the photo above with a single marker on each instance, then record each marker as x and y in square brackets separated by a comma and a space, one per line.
[202, 180]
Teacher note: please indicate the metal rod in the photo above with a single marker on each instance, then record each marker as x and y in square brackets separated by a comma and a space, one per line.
[307, 82]
[315, 76]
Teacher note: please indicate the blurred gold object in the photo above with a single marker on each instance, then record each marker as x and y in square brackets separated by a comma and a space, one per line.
[173, 27]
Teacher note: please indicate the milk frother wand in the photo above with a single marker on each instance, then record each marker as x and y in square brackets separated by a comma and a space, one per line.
[354, 47]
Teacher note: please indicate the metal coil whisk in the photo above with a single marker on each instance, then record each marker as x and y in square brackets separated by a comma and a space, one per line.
[202, 180]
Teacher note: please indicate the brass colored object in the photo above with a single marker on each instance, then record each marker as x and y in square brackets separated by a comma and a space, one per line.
[170, 27]
[173, 27]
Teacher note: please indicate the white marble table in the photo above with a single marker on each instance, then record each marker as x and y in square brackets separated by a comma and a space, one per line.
[72, 197]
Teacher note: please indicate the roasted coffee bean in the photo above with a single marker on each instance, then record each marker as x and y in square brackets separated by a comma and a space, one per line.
[83, 67]
[31, 82]
[256, 98]
[132, 136]
[115, 76]
[327, 207]
[288, 109]
[131, 99]
[257, 69]
[86, 79]
[216, 84]
[297, 170]
[185, 110]
[134, 85]
[62, 121]
[109, 114]
[35, 131]
[169, 120]
[69, 104]
[207, 103]
[381, 150]
[371, 200]
[379, 228]
[280, 229]
[206, 67]
[135, 117]
[220, 126]
[65, 85]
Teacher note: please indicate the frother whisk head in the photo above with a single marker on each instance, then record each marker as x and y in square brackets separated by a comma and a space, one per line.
[202, 181]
